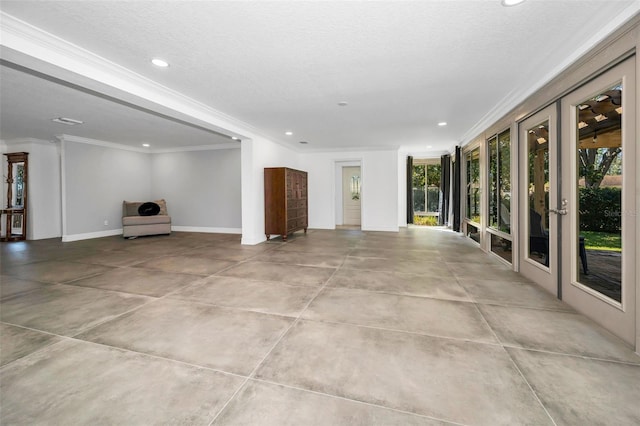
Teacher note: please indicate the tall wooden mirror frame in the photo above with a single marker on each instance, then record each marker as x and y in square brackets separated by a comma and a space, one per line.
[15, 222]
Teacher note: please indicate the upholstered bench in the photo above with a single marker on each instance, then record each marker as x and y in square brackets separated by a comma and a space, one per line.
[140, 218]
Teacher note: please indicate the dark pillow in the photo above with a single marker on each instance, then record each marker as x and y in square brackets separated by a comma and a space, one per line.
[148, 209]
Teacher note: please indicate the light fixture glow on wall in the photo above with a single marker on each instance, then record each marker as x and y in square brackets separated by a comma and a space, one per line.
[509, 3]
[67, 121]
[288, 133]
[160, 62]
[442, 123]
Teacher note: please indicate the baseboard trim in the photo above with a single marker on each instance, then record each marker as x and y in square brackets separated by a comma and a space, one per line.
[207, 230]
[91, 235]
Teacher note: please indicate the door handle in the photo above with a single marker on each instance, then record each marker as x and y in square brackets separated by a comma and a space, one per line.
[563, 211]
[559, 211]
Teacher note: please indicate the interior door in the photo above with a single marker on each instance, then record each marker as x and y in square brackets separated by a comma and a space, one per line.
[351, 195]
[599, 174]
[539, 184]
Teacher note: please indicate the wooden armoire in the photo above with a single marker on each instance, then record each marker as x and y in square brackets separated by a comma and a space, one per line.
[285, 201]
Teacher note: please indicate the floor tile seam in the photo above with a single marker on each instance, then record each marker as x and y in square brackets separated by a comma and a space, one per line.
[260, 280]
[393, 271]
[233, 308]
[407, 332]
[35, 353]
[272, 262]
[115, 317]
[533, 392]
[254, 370]
[356, 401]
[534, 308]
[285, 332]
[226, 308]
[291, 284]
[389, 293]
[34, 329]
[24, 293]
[71, 285]
[154, 356]
[289, 264]
[173, 272]
[570, 355]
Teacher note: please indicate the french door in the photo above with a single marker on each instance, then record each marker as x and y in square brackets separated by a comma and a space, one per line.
[598, 174]
[539, 189]
[578, 199]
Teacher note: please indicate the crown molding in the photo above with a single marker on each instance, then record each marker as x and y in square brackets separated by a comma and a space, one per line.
[17, 141]
[36, 43]
[197, 148]
[123, 147]
[96, 142]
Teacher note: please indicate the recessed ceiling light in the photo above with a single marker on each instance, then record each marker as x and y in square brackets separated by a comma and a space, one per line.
[234, 138]
[442, 123]
[288, 133]
[160, 62]
[429, 146]
[508, 3]
[343, 103]
[146, 145]
[304, 142]
[67, 121]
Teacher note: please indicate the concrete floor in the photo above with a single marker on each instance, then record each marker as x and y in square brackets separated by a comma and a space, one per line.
[331, 328]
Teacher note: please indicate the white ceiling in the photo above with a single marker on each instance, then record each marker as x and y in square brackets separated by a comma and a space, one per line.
[278, 66]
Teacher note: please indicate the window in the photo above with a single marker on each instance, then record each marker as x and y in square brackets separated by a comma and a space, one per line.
[500, 182]
[473, 190]
[426, 187]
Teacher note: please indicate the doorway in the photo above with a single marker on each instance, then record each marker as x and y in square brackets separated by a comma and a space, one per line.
[578, 227]
[351, 195]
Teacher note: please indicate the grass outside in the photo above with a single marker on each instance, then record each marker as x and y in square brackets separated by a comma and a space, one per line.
[602, 241]
[425, 220]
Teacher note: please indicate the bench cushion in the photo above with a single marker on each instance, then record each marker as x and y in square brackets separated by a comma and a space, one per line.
[145, 220]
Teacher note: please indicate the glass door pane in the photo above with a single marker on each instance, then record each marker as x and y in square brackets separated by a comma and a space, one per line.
[473, 191]
[538, 192]
[599, 153]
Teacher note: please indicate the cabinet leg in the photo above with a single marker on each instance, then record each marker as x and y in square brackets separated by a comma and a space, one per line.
[305, 230]
[268, 237]
[284, 238]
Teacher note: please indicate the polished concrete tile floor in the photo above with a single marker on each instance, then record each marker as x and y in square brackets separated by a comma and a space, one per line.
[330, 328]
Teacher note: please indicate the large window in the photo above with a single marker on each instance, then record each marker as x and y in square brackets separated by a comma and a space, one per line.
[426, 187]
[473, 190]
[500, 182]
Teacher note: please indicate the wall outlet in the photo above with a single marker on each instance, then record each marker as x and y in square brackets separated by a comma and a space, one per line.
[106, 222]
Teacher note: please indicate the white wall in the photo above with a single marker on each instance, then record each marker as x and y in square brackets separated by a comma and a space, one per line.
[379, 188]
[44, 218]
[202, 189]
[95, 181]
[256, 154]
